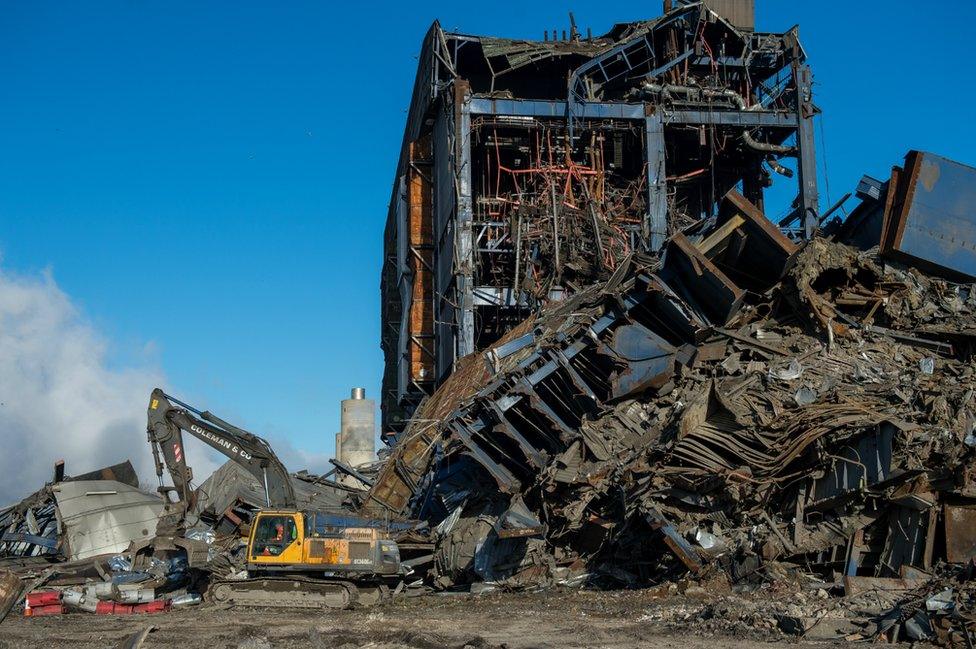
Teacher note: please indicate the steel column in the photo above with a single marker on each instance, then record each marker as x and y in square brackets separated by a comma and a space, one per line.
[464, 248]
[656, 224]
[807, 165]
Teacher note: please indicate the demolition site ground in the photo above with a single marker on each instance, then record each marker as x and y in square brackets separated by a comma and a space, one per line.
[553, 619]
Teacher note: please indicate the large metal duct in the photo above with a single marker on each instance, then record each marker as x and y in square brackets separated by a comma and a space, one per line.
[741, 13]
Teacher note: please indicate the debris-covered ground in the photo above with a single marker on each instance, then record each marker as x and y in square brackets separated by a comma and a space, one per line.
[615, 620]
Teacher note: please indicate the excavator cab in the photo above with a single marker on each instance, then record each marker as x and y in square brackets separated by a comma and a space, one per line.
[276, 538]
[288, 540]
[273, 534]
[306, 559]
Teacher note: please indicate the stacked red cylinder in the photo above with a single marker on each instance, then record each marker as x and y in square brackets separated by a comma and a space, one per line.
[112, 608]
[157, 606]
[43, 602]
[41, 611]
[43, 598]
[48, 602]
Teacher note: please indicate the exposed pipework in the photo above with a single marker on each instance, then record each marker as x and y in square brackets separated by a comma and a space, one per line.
[756, 145]
[693, 93]
[732, 95]
[778, 168]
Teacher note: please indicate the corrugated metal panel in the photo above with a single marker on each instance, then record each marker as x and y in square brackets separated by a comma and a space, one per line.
[104, 516]
[444, 207]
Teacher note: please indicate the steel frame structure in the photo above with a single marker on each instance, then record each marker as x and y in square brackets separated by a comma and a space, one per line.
[423, 350]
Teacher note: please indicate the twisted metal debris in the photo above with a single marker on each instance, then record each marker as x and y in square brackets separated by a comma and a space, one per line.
[816, 410]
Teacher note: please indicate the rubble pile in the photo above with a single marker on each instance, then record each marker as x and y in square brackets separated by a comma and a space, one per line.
[942, 610]
[938, 610]
[86, 544]
[741, 405]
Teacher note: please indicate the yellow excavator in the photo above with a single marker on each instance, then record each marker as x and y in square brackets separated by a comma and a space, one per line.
[295, 558]
[314, 559]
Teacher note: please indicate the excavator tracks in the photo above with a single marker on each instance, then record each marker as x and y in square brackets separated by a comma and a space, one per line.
[296, 592]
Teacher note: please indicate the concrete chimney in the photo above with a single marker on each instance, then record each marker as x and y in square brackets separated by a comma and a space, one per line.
[358, 432]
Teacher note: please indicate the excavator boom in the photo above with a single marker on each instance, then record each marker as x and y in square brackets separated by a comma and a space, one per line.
[169, 418]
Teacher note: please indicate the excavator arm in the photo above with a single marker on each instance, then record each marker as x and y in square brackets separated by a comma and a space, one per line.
[165, 427]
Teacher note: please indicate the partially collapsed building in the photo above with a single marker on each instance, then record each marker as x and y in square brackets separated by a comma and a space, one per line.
[530, 169]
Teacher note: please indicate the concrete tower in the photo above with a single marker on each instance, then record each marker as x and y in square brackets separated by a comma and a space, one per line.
[357, 440]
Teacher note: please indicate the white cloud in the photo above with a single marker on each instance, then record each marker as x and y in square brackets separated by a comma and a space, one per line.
[59, 398]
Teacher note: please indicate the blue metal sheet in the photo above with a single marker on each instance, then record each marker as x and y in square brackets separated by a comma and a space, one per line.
[936, 226]
[536, 377]
[860, 463]
[646, 360]
[323, 523]
[509, 348]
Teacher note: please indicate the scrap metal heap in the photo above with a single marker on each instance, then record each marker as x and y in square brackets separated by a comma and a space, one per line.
[740, 404]
[609, 361]
[90, 539]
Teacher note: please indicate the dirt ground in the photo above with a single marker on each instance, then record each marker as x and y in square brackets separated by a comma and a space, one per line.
[554, 619]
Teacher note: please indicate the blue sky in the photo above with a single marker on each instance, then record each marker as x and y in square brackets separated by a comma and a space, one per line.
[209, 181]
